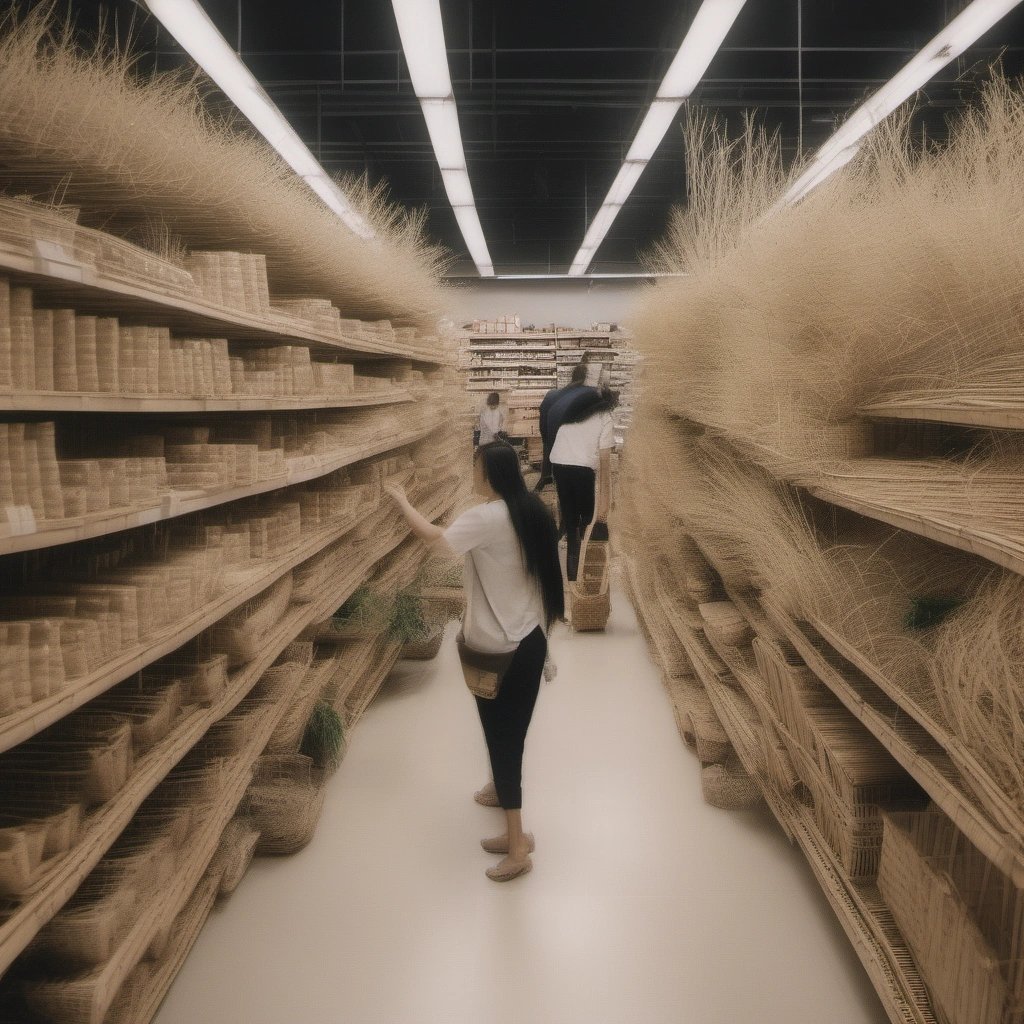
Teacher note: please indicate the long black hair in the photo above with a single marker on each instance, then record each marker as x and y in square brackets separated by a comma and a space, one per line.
[538, 537]
[603, 400]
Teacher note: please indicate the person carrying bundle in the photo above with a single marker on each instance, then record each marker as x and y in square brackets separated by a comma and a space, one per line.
[556, 406]
[581, 466]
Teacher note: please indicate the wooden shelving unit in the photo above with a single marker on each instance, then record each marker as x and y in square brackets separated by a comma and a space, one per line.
[739, 697]
[55, 259]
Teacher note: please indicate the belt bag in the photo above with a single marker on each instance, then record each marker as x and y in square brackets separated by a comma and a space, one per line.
[483, 672]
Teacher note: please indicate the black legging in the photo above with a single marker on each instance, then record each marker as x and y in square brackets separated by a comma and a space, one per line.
[506, 718]
[575, 486]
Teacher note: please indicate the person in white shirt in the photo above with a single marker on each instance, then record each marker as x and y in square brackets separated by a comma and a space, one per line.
[513, 595]
[581, 467]
[492, 419]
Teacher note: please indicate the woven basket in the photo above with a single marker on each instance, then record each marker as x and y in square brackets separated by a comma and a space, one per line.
[235, 853]
[241, 633]
[729, 787]
[589, 597]
[962, 919]
[284, 802]
[423, 650]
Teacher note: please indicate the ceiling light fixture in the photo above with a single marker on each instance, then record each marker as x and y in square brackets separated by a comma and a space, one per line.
[966, 28]
[702, 42]
[422, 34]
[198, 37]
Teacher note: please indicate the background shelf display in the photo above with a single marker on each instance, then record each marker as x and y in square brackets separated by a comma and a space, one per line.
[504, 359]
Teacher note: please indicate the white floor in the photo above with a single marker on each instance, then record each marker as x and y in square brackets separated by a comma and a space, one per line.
[644, 905]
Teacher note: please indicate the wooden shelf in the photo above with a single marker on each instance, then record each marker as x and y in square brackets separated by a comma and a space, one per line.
[19, 726]
[951, 408]
[88, 289]
[197, 910]
[862, 913]
[509, 365]
[1005, 551]
[63, 401]
[869, 926]
[107, 823]
[920, 752]
[511, 348]
[300, 469]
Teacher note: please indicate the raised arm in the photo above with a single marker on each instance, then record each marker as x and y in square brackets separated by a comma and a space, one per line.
[422, 527]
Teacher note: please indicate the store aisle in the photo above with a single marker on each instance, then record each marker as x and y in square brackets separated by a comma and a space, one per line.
[644, 905]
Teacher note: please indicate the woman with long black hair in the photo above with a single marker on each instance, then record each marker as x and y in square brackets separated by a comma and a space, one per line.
[513, 595]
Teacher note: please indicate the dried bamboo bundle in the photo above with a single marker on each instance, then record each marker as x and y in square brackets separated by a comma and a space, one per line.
[145, 146]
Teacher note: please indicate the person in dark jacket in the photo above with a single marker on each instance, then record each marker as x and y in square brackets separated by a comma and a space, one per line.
[555, 407]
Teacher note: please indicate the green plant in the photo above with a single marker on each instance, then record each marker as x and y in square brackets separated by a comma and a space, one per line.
[362, 605]
[324, 738]
[926, 612]
[408, 623]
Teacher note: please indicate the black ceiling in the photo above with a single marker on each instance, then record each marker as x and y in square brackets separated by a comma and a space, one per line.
[550, 93]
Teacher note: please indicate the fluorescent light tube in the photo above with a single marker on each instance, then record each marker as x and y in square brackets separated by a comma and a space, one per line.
[707, 32]
[970, 24]
[625, 180]
[473, 233]
[198, 37]
[445, 135]
[709, 29]
[656, 123]
[456, 184]
[422, 33]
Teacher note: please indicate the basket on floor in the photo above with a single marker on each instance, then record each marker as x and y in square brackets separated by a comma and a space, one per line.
[589, 597]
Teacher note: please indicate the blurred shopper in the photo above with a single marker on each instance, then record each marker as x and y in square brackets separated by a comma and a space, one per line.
[581, 465]
[556, 405]
[492, 419]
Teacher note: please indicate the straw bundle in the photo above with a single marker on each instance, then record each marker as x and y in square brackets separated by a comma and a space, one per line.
[767, 361]
[152, 146]
[976, 675]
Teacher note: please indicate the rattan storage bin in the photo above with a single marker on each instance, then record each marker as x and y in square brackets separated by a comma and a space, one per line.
[963, 919]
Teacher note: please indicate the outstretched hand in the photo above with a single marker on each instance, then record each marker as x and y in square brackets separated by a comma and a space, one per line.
[397, 492]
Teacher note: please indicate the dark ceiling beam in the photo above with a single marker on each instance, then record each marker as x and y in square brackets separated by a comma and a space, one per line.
[486, 50]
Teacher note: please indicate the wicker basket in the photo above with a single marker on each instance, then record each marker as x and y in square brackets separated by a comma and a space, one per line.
[284, 802]
[235, 853]
[729, 787]
[589, 597]
[962, 919]
[423, 650]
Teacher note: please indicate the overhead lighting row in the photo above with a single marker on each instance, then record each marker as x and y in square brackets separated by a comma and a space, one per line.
[709, 29]
[198, 37]
[966, 28]
[422, 35]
